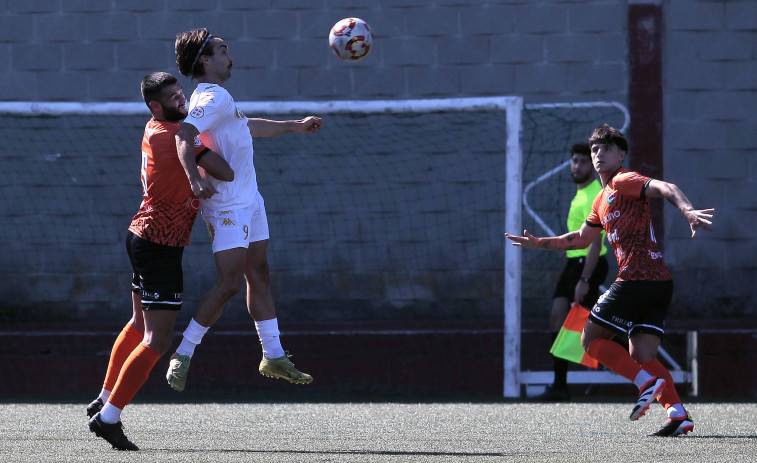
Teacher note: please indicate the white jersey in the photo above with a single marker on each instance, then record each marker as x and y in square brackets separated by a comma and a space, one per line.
[223, 128]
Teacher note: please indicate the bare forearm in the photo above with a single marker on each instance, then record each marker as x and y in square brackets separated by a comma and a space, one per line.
[186, 150]
[187, 158]
[568, 241]
[592, 257]
[264, 128]
[675, 196]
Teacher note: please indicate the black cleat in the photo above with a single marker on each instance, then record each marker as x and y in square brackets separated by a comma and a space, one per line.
[95, 407]
[647, 394]
[675, 427]
[113, 433]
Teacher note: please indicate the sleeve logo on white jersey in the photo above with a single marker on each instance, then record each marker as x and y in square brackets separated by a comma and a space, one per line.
[197, 113]
[197, 142]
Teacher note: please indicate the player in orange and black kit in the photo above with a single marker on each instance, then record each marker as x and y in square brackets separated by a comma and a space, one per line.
[637, 302]
[155, 245]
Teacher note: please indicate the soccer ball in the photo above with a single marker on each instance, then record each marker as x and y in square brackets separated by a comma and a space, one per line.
[351, 39]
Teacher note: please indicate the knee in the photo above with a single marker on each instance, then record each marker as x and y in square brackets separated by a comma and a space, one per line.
[159, 342]
[642, 357]
[230, 287]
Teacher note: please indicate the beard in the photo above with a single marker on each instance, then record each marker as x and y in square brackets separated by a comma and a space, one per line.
[174, 114]
[578, 178]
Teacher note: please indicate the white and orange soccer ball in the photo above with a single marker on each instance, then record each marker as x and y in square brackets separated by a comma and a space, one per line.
[351, 39]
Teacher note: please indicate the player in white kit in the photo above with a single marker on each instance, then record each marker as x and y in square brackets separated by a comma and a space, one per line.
[235, 216]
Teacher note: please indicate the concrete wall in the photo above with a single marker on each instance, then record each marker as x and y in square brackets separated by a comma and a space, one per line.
[546, 51]
[710, 126]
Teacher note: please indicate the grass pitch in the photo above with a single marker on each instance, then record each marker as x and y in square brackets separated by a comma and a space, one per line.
[379, 432]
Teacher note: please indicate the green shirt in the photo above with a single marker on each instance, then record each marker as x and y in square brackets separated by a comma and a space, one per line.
[580, 207]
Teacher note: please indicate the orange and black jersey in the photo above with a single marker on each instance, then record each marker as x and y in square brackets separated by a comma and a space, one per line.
[169, 208]
[622, 209]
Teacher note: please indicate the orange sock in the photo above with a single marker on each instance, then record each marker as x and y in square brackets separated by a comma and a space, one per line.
[669, 395]
[126, 342]
[615, 357]
[133, 375]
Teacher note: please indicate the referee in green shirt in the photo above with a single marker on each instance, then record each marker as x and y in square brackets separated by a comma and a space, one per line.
[585, 269]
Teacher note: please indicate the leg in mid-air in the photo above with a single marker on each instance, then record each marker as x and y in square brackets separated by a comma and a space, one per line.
[275, 362]
[239, 247]
[230, 270]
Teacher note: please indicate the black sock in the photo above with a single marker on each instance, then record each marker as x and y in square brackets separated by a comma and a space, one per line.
[561, 370]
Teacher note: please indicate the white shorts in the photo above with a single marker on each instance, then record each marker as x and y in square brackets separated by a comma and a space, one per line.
[237, 228]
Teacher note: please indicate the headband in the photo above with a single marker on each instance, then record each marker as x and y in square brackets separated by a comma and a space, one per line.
[202, 47]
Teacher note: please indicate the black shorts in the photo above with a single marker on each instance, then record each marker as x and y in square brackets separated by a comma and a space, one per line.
[566, 285]
[157, 275]
[631, 307]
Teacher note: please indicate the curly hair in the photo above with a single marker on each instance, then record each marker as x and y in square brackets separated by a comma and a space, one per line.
[189, 47]
[608, 135]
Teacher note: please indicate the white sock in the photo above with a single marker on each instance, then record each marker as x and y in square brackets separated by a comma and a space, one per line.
[642, 378]
[676, 411]
[268, 332]
[104, 394]
[110, 414]
[192, 337]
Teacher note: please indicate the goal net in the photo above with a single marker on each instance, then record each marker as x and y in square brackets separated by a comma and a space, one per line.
[549, 130]
[394, 211]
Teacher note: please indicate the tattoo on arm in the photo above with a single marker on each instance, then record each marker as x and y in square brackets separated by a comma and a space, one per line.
[570, 240]
[566, 241]
[678, 199]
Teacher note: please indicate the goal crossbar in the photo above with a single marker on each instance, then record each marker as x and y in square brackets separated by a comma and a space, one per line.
[55, 108]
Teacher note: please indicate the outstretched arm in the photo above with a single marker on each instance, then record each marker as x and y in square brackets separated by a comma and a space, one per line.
[579, 239]
[264, 128]
[701, 218]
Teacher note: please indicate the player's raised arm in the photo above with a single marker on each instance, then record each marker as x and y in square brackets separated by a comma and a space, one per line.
[265, 128]
[580, 239]
[698, 218]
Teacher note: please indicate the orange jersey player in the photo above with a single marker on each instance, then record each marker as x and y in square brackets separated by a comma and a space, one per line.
[637, 302]
[169, 208]
[623, 200]
[155, 245]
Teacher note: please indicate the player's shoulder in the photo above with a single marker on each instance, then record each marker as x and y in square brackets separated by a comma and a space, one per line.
[625, 175]
[211, 93]
[155, 128]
